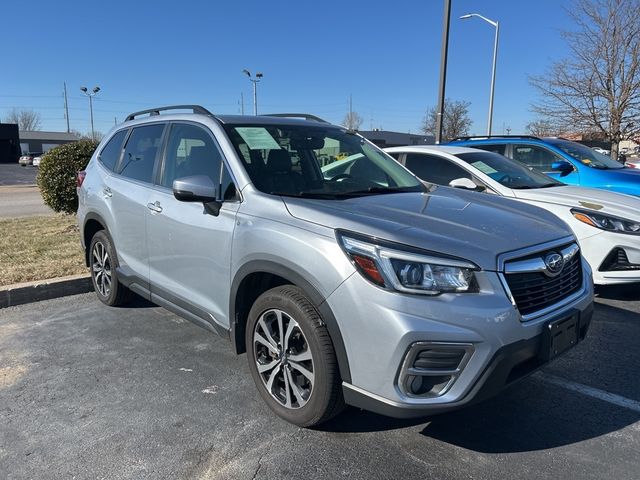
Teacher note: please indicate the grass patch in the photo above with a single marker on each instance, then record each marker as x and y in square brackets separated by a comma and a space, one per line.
[39, 248]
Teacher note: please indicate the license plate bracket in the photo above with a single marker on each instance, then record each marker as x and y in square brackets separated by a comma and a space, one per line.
[559, 336]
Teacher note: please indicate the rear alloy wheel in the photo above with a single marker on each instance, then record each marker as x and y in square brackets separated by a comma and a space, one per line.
[103, 262]
[291, 357]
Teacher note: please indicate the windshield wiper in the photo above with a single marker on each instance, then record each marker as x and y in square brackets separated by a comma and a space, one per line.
[318, 195]
[383, 190]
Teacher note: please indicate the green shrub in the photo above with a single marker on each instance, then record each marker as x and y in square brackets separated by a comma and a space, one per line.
[57, 174]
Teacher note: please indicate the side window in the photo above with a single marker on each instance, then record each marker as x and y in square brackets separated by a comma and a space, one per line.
[497, 148]
[535, 157]
[110, 153]
[190, 151]
[434, 169]
[140, 152]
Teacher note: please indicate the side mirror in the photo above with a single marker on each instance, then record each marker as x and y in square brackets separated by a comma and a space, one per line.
[198, 188]
[466, 183]
[564, 167]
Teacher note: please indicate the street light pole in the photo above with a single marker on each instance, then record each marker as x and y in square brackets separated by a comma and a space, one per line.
[91, 94]
[255, 81]
[443, 70]
[496, 25]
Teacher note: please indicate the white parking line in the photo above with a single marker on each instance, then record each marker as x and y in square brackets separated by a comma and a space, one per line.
[591, 392]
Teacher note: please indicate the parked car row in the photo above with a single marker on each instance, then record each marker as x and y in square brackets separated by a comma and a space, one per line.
[30, 158]
[403, 287]
[606, 224]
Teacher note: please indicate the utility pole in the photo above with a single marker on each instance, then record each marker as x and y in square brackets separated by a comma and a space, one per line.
[443, 69]
[115, 121]
[350, 107]
[66, 107]
[241, 103]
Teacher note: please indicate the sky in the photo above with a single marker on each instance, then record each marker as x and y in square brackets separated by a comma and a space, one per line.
[314, 56]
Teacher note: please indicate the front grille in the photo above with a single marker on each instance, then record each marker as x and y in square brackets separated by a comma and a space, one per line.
[617, 260]
[535, 291]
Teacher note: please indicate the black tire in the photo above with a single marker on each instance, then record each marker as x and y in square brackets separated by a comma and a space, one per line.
[325, 399]
[115, 294]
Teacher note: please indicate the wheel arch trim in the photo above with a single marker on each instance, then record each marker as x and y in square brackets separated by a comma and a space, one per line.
[317, 299]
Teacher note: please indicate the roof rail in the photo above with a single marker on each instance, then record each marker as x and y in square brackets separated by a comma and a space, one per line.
[480, 137]
[156, 111]
[306, 116]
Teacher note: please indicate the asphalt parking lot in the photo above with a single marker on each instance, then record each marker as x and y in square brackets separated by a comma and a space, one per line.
[88, 391]
[14, 174]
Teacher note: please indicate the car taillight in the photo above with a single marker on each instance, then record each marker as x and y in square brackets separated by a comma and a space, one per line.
[80, 178]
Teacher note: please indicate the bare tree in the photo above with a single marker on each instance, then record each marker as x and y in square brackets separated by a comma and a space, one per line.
[26, 119]
[598, 86]
[455, 122]
[352, 120]
[87, 136]
[542, 128]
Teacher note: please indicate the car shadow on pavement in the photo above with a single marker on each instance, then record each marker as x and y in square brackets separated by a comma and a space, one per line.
[138, 302]
[529, 417]
[354, 420]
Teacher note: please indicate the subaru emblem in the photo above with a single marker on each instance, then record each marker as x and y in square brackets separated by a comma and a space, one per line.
[554, 263]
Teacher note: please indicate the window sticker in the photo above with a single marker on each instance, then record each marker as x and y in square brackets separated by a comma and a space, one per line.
[258, 138]
[484, 168]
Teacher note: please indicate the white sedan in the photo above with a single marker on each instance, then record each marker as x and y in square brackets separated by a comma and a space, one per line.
[607, 224]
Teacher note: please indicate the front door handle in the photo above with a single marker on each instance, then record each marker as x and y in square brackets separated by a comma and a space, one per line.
[154, 207]
[106, 191]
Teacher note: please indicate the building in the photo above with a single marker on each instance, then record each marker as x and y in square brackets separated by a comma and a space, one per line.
[385, 138]
[9, 143]
[38, 141]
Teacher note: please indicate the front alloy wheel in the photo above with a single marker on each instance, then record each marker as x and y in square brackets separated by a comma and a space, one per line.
[291, 357]
[283, 359]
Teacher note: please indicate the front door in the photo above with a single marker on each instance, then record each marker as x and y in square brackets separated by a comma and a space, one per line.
[542, 160]
[189, 249]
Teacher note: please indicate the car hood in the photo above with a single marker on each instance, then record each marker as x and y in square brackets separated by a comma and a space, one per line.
[604, 201]
[473, 226]
[629, 177]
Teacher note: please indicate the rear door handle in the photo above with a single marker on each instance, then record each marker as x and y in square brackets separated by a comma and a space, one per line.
[106, 191]
[154, 207]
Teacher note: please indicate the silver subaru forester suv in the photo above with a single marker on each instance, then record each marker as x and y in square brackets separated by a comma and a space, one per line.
[358, 284]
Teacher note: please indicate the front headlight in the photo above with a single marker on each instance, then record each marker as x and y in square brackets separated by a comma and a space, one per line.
[390, 266]
[607, 222]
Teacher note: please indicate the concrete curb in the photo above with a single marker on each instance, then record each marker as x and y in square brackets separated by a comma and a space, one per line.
[20, 293]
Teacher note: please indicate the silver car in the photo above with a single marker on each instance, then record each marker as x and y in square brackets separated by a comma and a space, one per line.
[368, 287]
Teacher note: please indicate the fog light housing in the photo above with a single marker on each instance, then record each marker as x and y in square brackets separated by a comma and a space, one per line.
[430, 369]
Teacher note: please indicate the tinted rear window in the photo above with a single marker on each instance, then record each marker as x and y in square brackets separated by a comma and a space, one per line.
[110, 154]
[141, 151]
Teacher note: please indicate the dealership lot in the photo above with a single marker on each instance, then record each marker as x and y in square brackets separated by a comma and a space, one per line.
[14, 174]
[88, 391]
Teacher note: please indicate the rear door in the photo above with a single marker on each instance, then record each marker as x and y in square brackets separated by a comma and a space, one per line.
[189, 249]
[129, 192]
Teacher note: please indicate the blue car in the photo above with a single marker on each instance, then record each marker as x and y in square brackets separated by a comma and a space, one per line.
[569, 162]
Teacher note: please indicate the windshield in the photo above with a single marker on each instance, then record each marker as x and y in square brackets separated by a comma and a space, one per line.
[586, 155]
[318, 162]
[507, 172]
